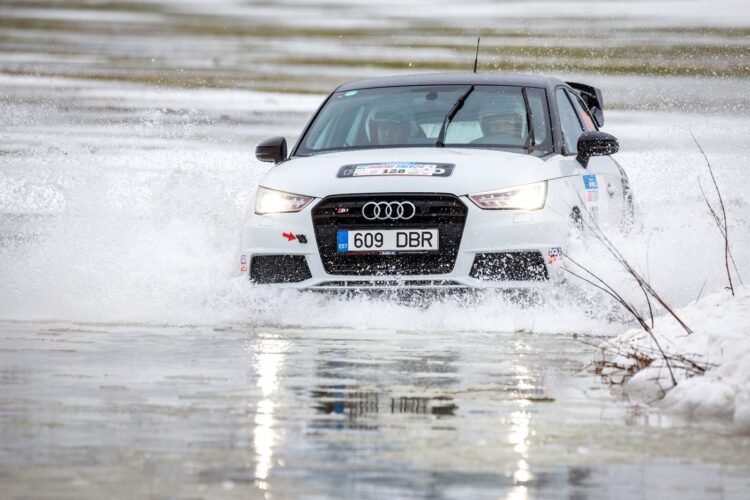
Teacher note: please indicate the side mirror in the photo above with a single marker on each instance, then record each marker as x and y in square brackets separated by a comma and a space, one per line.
[273, 149]
[595, 143]
[598, 115]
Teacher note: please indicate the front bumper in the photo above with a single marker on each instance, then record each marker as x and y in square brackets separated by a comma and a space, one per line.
[494, 249]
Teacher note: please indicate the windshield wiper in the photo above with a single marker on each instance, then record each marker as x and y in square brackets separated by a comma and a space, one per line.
[530, 142]
[451, 114]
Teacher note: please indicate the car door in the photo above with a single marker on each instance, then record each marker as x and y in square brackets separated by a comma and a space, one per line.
[599, 187]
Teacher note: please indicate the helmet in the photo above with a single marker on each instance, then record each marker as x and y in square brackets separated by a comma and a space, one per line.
[506, 123]
[389, 128]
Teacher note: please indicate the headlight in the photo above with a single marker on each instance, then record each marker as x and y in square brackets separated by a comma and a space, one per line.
[528, 197]
[270, 201]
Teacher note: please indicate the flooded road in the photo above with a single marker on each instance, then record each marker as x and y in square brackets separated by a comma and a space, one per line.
[136, 362]
[90, 411]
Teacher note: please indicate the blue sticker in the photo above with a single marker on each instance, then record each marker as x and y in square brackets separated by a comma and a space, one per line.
[350, 93]
[343, 240]
[589, 182]
[243, 259]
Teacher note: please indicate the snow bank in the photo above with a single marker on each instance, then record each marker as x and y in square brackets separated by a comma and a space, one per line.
[720, 342]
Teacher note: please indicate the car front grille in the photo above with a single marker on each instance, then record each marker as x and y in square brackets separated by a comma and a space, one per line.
[444, 212]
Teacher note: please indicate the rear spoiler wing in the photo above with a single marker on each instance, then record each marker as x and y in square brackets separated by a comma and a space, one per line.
[592, 96]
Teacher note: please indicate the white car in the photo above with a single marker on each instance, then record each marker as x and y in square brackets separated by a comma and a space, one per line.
[456, 180]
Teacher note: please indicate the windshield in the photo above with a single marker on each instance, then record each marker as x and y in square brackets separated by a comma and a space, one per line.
[493, 117]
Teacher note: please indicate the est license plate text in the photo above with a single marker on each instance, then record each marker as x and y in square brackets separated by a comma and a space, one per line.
[387, 240]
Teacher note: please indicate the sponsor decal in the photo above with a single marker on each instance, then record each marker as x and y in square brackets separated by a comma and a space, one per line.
[591, 193]
[589, 182]
[243, 263]
[291, 237]
[554, 254]
[413, 169]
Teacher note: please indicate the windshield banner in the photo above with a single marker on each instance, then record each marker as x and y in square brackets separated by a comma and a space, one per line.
[397, 168]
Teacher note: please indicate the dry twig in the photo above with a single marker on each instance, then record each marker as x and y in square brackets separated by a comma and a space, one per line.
[643, 284]
[609, 290]
[721, 223]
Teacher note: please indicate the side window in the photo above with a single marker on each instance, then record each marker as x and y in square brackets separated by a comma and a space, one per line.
[571, 127]
[583, 114]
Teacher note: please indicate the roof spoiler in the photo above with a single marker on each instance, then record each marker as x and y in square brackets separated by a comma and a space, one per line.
[592, 96]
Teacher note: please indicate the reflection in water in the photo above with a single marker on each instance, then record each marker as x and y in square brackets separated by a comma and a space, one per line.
[369, 422]
[428, 367]
[356, 404]
[440, 405]
[269, 357]
[263, 438]
[519, 492]
[520, 428]
[518, 437]
[361, 406]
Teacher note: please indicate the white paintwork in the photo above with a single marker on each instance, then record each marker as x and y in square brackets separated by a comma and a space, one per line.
[476, 170]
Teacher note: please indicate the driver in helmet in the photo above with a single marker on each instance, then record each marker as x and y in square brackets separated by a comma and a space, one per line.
[389, 129]
[501, 127]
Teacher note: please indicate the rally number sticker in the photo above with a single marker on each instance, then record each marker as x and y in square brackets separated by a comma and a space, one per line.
[397, 168]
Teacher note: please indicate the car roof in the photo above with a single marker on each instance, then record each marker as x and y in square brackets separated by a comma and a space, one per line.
[453, 79]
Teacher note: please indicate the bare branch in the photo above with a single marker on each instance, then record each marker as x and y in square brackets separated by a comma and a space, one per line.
[645, 286]
[606, 288]
[609, 290]
[722, 230]
[624, 304]
[725, 232]
[648, 277]
[700, 292]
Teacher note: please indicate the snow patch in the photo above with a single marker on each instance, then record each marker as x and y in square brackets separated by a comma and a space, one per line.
[720, 343]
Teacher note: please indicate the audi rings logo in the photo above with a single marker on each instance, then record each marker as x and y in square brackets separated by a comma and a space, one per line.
[389, 210]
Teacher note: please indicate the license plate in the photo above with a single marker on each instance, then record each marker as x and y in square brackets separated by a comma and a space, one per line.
[387, 240]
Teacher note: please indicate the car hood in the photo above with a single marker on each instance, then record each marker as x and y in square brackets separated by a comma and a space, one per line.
[476, 170]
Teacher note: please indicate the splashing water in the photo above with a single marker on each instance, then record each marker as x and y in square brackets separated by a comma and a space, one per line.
[126, 206]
